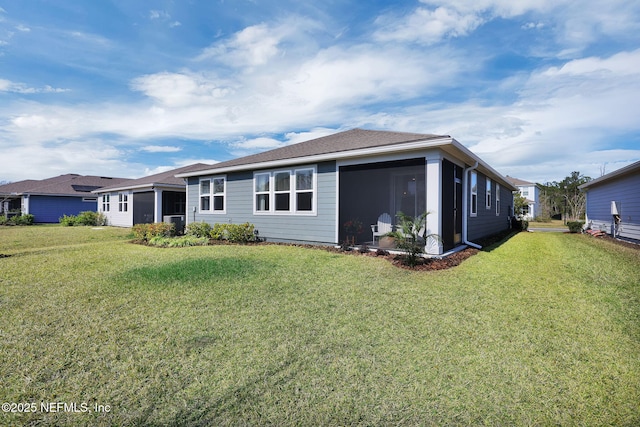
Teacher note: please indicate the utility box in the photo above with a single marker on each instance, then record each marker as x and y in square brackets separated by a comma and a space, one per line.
[177, 220]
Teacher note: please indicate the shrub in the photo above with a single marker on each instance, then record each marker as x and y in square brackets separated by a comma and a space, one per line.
[575, 226]
[178, 242]
[90, 218]
[413, 236]
[235, 233]
[198, 229]
[146, 232]
[519, 224]
[26, 219]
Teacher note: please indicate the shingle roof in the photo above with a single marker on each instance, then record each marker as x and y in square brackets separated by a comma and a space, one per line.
[633, 168]
[351, 143]
[162, 178]
[517, 182]
[62, 185]
[354, 139]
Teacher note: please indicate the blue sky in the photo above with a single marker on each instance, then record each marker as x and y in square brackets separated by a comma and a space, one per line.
[537, 88]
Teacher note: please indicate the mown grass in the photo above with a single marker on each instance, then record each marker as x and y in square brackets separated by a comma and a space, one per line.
[542, 330]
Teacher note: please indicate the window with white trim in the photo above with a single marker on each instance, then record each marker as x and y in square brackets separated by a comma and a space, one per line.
[282, 191]
[219, 192]
[106, 202]
[474, 193]
[262, 193]
[488, 194]
[285, 191]
[497, 199]
[212, 194]
[123, 202]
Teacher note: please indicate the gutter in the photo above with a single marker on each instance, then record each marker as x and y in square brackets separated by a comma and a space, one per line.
[465, 206]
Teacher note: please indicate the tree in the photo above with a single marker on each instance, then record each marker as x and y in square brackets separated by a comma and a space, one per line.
[574, 199]
[564, 198]
[519, 203]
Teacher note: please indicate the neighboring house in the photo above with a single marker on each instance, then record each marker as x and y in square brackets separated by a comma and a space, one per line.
[155, 198]
[613, 202]
[308, 191]
[49, 199]
[531, 192]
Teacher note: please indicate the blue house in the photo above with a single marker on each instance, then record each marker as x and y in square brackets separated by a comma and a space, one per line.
[613, 202]
[308, 192]
[49, 199]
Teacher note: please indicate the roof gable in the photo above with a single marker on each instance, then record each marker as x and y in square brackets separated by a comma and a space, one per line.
[167, 178]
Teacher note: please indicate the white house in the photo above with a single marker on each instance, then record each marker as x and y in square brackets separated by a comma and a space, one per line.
[145, 200]
[531, 192]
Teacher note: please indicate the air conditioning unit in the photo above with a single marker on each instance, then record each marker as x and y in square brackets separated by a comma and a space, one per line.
[178, 220]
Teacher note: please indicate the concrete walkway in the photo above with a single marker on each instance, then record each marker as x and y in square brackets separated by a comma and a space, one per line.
[555, 230]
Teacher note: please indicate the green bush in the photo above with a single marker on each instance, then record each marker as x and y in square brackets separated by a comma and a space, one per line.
[519, 224]
[235, 233]
[84, 218]
[178, 242]
[26, 219]
[146, 232]
[575, 226]
[198, 229]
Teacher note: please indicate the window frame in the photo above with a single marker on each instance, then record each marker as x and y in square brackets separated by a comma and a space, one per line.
[106, 202]
[294, 192]
[497, 199]
[123, 202]
[212, 194]
[473, 194]
[488, 193]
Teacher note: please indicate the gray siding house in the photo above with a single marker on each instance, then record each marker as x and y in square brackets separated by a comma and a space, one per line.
[307, 192]
[613, 202]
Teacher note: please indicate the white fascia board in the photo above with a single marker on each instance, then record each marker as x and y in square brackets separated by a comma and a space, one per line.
[137, 187]
[364, 152]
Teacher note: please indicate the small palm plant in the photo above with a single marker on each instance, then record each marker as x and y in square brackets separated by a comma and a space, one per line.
[413, 236]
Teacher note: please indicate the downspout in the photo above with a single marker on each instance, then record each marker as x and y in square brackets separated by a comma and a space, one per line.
[465, 207]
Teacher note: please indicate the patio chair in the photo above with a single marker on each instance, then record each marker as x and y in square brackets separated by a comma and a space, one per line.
[383, 226]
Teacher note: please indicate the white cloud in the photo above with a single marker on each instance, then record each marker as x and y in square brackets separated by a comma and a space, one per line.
[158, 14]
[427, 26]
[160, 149]
[9, 86]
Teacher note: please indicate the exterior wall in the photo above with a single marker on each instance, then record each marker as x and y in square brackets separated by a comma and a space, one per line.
[49, 209]
[114, 216]
[625, 192]
[487, 222]
[239, 195]
[531, 192]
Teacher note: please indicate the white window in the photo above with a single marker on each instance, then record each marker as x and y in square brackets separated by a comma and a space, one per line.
[106, 202]
[219, 191]
[285, 192]
[488, 194]
[262, 193]
[212, 194]
[474, 193]
[282, 191]
[123, 202]
[205, 195]
[497, 199]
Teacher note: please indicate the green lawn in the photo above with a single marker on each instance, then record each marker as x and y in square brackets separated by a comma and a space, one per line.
[541, 330]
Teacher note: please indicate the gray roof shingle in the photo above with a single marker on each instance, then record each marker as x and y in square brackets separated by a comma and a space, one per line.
[62, 185]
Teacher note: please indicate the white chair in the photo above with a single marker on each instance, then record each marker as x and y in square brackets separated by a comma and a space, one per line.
[383, 226]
